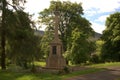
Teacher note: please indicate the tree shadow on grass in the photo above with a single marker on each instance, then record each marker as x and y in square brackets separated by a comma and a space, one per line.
[6, 75]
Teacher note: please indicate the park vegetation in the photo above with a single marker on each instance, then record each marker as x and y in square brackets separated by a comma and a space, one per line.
[19, 45]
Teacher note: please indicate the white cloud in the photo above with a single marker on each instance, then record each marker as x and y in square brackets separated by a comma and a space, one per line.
[98, 27]
[102, 18]
[90, 12]
[91, 8]
[102, 5]
[35, 6]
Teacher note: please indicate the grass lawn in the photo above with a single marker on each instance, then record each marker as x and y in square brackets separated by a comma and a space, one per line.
[103, 65]
[118, 79]
[7, 75]
[42, 64]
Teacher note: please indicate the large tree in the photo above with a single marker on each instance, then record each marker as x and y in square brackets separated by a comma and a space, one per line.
[4, 7]
[17, 35]
[70, 20]
[111, 37]
[81, 48]
[23, 45]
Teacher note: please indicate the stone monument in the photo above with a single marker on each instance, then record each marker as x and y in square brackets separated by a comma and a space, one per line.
[55, 59]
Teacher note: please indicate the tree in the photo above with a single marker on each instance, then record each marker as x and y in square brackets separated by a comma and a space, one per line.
[111, 37]
[96, 56]
[3, 8]
[17, 36]
[81, 48]
[45, 41]
[23, 44]
[70, 19]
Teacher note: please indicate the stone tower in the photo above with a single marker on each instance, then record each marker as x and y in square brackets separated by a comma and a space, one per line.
[55, 59]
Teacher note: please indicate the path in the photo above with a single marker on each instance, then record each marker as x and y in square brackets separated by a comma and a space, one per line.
[111, 74]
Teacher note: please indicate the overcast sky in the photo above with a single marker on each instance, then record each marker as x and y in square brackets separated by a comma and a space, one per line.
[95, 11]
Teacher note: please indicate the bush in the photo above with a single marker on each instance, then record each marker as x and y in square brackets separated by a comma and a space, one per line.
[14, 68]
[95, 59]
[65, 70]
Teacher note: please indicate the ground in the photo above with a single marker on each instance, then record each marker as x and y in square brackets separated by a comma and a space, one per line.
[112, 73]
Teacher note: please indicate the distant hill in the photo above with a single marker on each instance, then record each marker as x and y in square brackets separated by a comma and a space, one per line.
[39, 32]
[97, 35]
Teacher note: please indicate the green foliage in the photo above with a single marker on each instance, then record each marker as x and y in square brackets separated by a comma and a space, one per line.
[81, 47]
[4, 9]
[45, 41]
[14, 68]
[96, 56]
[65, 70]
[111, 36]
[19, 44]
[24, 46]
[99, 44]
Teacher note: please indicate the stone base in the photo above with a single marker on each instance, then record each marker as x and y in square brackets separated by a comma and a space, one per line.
[55, 62]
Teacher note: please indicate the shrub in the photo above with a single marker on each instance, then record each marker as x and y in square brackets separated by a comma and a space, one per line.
[65, 70]
[14, 68]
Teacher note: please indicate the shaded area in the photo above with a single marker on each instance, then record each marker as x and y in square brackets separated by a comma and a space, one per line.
[5, 75]
[8, 75]
[84, 73]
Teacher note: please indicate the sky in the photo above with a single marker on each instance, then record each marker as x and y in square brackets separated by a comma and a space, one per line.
[96, 11]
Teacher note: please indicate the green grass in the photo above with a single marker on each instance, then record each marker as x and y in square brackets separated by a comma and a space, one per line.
[6, 75]
[42, 64]
[118, 79]
[105, 64]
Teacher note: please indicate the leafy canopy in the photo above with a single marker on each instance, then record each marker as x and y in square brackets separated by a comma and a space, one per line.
[111, 36]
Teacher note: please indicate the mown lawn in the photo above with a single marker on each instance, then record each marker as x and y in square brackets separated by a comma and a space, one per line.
[42, 64]
[7, 75]
[107, 64]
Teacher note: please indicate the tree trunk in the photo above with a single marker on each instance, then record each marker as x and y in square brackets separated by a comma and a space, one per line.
[3, 55]
[3, 40]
